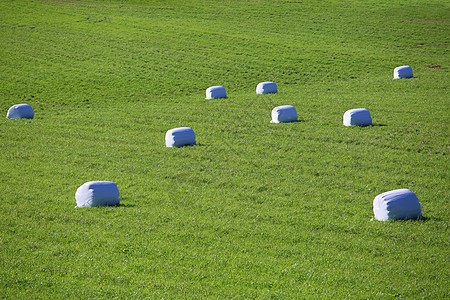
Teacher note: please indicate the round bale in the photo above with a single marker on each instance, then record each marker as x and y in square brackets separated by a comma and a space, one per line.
[403, 72]
[215, 92]
[357, 117]
[179, 137]
[20, 111]
[267, 87]
[397, 204]
[284, 114]
[97, 193]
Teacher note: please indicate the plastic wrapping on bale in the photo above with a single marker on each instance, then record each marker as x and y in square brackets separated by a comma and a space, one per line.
[97, 193]
[267, 87]
[20, 111]
[397, 204]
[403, 72]
[284, 114]
[181, 136]
[215, 92]
[357, 117]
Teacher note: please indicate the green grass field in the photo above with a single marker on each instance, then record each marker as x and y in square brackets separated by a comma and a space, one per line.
[255, 210]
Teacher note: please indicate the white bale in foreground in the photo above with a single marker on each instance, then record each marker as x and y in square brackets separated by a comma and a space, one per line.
[97, 193]
[403, 72]
[357, 117]
[215, 92]
[396, 204]
[20, 111]
[180, 136]
[284, 114]
[267, 87]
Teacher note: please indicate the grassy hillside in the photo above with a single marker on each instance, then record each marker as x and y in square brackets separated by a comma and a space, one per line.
[255, 210]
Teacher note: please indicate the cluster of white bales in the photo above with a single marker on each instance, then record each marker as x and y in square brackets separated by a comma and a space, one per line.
[396, 204]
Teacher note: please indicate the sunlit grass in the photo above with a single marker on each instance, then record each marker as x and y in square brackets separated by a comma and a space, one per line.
[254, 210]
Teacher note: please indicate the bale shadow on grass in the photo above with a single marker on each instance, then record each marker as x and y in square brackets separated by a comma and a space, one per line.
[290, 122]
[426, 219]
[420, 219]
[188, 146]
[117, 205]
[124, 205]
[366, 126]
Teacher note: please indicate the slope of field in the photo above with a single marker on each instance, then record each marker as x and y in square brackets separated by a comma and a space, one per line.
[254, 210]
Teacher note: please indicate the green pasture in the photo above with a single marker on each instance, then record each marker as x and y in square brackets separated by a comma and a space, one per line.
[253, 211]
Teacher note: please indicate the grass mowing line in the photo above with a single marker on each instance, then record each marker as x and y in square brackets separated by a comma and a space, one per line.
[92, 86]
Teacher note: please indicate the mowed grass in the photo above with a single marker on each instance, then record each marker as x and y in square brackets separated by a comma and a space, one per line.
[254, 210]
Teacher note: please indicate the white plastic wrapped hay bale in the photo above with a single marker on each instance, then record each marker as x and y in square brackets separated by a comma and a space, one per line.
[284, 114]
[97, 193]
[215, 92]
[20, 111]
[179, 137]
[403, 72]
[396, 204]
[357, 117]
[267, 87]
